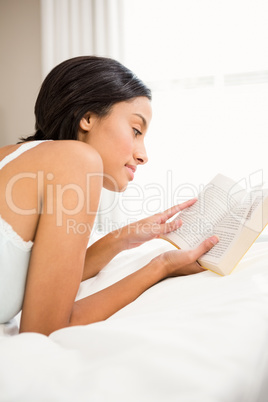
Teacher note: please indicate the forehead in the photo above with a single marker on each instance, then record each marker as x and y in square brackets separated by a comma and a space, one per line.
[139, 108]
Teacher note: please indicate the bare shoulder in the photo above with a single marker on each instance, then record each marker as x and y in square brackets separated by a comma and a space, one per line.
[53, 154]
[61, 158]
[74, 154]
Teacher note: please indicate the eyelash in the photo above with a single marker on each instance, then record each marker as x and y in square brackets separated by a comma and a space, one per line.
[136, 132]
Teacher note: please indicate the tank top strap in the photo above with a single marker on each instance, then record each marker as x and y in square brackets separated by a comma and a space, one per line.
[23, 148]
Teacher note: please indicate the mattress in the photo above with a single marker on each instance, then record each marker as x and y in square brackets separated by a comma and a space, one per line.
[197, 338]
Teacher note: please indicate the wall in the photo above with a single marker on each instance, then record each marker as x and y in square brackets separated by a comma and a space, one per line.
[20, 67]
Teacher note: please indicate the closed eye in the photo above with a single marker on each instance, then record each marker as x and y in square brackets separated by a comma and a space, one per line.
[137, 132]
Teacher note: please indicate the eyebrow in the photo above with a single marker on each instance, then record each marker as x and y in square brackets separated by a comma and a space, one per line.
[142, 118]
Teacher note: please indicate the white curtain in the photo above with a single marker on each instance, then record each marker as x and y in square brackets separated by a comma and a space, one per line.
[79, 27]
[207, 64]
[73, 28]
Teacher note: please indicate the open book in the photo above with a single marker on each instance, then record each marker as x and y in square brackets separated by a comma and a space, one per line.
[224, 209]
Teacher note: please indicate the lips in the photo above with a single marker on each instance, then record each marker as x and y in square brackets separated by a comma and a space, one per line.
[131, 170]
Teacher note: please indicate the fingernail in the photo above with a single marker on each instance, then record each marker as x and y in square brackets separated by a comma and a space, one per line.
[214, 239]
[178, 222]
[193, 199]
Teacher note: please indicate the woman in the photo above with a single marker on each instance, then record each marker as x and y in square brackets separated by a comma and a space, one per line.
[49, 186]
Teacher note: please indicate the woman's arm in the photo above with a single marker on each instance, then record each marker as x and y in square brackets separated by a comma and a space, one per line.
[104, 250]
[101, 253]
[105, 303]
[58, 256]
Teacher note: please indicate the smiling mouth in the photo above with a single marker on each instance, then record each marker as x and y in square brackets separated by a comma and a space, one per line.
[131, 170]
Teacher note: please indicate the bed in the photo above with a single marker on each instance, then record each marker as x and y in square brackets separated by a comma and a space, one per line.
[200, 338]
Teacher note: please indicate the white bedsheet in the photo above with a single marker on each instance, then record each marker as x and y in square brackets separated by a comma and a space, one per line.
[201, 338]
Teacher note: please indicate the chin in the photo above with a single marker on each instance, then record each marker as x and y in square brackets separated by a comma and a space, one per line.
[123, 188]
[115, 186]
[120, 189]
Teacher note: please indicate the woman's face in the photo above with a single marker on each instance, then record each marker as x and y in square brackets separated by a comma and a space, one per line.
[119, 139]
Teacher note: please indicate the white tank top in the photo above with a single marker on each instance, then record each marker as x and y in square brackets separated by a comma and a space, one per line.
[14, 256]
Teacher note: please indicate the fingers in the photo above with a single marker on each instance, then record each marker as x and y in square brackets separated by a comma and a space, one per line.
[167, 227]
[204, 247]
[170, 226]
[194, 268]
[177, 208]
[186, 204]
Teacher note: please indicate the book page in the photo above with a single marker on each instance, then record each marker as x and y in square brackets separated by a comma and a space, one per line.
[229, 228]
[200, 220]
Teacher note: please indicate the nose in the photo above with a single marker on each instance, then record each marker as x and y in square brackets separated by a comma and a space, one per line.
[140, 155]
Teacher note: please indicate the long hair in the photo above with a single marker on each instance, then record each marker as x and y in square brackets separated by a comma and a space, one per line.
[77, 86]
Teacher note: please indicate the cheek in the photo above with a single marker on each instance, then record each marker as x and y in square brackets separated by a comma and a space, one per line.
[127, 145]
[123, 148]
[117, 147]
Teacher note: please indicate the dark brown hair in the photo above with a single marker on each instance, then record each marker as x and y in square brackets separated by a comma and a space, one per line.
[77, 86]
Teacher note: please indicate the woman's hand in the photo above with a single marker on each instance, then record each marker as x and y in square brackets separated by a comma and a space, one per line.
[184, 262]
[137, 233]
[120, 294]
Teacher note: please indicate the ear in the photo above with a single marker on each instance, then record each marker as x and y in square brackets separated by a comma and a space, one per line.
[86, 123]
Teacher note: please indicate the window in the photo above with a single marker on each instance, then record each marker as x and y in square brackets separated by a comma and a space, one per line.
[207, 64]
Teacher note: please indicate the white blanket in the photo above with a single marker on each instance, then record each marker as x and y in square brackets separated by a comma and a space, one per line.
[200, 338]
